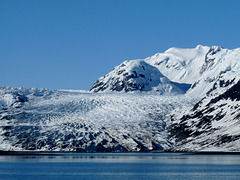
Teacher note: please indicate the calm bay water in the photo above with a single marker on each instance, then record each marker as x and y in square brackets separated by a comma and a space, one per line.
[120, 166]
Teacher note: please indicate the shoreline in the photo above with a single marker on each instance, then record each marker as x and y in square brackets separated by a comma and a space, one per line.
[60, 153]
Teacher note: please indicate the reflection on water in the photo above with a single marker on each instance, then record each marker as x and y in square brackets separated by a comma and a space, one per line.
[119, 166]
[172, 158]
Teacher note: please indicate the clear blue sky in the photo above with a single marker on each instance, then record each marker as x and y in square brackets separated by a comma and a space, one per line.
[69, 44]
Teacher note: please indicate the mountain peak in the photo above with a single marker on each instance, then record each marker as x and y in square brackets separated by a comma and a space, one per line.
[135, 75]
[176, 66]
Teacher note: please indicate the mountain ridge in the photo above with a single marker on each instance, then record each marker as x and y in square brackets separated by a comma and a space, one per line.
[176, 65]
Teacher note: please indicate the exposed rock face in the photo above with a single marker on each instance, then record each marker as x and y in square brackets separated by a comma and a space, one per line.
[213, 123]
[209, 58]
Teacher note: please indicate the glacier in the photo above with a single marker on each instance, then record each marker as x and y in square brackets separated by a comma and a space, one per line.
[57, 120]
[179, 100]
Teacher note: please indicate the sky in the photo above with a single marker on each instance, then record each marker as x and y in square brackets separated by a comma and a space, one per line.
[69, 44]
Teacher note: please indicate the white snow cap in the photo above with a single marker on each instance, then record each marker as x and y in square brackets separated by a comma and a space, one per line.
[166, 73]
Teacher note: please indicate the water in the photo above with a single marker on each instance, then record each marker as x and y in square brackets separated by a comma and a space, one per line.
[120, 166]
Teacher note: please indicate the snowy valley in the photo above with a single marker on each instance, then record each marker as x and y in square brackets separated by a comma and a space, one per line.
[179, 100]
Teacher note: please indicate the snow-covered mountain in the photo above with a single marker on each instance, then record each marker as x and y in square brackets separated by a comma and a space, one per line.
[182, 99]
[136, 75]
[171, 72]
[213, 124]
[181, 65]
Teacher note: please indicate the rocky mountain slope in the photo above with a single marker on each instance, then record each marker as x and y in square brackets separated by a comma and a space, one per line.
[213, 123]
[136, 75]
[182, 99]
